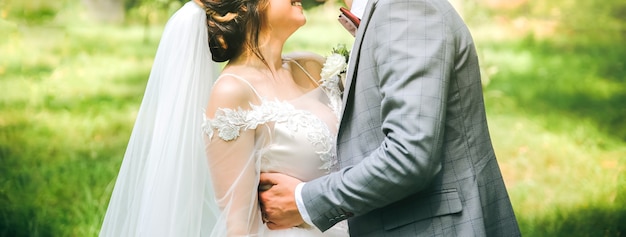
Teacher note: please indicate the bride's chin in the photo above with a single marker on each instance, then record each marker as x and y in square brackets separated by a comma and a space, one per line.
[302, 20]
[299, 23]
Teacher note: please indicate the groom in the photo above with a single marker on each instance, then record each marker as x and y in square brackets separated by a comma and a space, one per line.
[413, 145]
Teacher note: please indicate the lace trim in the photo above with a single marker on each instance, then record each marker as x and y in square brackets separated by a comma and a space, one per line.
[333, 73]
[229, 123]
[334, 93]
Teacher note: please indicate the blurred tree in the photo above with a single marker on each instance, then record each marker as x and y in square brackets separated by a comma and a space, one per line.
[587, 20]
[164, 4]
[111, 11]
[35, 11]
[151, 12]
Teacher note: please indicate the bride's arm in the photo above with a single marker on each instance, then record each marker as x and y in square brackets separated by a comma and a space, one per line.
[230, 150]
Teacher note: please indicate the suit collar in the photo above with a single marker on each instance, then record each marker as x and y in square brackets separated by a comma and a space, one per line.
[356, 50]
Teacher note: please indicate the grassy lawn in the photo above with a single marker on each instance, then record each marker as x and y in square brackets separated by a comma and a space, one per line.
[70, 93]
[556, 114]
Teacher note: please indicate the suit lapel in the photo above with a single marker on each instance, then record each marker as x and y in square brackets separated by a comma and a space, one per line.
[356, 52]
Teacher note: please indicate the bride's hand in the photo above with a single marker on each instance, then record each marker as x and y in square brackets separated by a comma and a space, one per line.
[278, 203]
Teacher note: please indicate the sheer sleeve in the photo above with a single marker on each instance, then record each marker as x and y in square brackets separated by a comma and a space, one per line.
[232, 143]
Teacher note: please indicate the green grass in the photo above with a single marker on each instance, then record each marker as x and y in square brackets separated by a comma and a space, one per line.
[556, 114]
[70, 93]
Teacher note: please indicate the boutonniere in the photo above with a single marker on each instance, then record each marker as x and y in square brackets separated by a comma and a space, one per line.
[336, 66]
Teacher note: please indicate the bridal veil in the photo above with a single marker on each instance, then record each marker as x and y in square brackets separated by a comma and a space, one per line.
[163, 187]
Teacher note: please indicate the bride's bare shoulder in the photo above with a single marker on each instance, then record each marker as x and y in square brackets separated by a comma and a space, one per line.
[310, 66]
[232, 92]
[307, 55]
[306, 58]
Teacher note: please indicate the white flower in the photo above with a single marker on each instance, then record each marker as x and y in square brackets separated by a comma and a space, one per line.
[335, 64]
[333, 76]
[229, 133]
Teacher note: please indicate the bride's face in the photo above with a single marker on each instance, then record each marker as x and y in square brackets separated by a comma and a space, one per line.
[285, 15]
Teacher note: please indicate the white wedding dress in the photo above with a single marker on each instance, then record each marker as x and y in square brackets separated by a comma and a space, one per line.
[165, 186]
[294, 137]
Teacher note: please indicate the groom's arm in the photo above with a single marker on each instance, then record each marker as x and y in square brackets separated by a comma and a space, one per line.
[414, 54]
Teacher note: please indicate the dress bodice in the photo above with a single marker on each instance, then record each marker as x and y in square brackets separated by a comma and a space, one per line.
[295, 137]
[298, 135]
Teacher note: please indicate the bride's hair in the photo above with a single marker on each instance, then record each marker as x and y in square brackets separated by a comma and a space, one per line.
[234, 26]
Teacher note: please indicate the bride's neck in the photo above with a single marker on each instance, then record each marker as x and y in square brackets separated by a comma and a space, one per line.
[271, 52]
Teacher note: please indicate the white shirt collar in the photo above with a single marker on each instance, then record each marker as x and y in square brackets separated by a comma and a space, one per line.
[358, 8]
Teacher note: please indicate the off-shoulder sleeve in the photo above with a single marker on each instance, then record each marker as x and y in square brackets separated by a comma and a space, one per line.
[231, 141]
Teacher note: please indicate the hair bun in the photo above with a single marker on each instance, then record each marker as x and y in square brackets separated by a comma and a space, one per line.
[226, 27]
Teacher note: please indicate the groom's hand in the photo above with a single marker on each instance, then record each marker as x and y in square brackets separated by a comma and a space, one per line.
[278, 202]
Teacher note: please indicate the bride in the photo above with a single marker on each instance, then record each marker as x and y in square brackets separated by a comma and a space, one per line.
[193, 161]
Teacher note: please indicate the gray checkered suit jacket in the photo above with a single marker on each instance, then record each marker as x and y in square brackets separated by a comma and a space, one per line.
[414, 146]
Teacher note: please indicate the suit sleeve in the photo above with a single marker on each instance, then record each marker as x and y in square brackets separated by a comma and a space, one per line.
[414, 53]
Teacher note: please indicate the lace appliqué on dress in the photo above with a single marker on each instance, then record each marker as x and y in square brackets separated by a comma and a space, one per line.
[331, 88]
[333, 73]
[229, 123]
